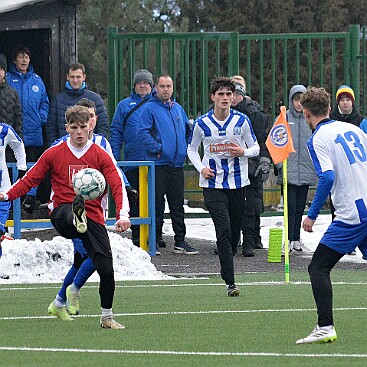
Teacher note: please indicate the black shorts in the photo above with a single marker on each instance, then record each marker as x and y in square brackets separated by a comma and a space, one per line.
[95, 240]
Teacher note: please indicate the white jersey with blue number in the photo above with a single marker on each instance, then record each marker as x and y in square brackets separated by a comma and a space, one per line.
[217, 136]
[342, 148]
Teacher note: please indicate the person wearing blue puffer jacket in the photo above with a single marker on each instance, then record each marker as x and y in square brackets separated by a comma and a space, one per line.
[123, 132]
[164, 130]
[75, 90]
[33, 98]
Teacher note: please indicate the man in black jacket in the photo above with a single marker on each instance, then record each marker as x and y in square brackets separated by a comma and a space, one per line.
[259, 169]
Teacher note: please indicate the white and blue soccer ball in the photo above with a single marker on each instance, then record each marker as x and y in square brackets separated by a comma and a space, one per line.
[89, 183]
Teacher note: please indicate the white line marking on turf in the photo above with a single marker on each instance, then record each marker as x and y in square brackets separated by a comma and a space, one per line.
[173, 313]
[172, 352]
[272, 283]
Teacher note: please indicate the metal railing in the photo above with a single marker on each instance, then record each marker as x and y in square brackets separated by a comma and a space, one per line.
[147, 206]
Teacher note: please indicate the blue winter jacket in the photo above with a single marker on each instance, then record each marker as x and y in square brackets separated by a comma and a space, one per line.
[34, 101]
[126, 133]
[56, 118]
[164, 129]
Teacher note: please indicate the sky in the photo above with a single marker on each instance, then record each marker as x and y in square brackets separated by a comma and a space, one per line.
[39, 261]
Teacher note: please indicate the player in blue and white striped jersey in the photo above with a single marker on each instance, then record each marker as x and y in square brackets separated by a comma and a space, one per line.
[339, 153]
[218, 138]
[228, 142]
[8, 137]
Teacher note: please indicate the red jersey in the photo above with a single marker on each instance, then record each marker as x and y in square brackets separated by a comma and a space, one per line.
[63, 161]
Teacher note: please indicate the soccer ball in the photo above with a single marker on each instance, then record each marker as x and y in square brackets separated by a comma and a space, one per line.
[89, 183]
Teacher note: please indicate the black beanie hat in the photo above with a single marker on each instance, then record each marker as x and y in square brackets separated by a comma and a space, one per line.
[3, 62]
[240, 89]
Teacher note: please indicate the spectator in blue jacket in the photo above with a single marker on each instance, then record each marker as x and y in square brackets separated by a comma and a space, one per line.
[164, 129]
[123, 131]
[33, 99]
[75, 90]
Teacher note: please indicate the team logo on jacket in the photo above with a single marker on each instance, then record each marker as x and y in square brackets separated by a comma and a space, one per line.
[35, 88]
[279, 136]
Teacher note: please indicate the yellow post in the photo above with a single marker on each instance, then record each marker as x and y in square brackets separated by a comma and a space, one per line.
[143, 206]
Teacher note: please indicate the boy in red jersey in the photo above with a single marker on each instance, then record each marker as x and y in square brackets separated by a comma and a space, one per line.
[69, 214]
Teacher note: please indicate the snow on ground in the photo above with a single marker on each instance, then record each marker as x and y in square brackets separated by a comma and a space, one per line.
[204, 229]
[48, 261]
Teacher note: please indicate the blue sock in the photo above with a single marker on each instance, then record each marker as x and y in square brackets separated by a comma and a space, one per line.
[67, 281]
[85, 271]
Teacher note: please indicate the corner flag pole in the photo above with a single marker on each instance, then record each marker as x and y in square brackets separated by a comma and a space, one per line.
[285, 216]
[280, 145]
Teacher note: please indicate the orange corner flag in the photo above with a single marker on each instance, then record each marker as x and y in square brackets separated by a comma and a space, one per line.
[279, 141]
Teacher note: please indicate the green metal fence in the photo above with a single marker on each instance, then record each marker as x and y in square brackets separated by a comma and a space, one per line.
[270, 63]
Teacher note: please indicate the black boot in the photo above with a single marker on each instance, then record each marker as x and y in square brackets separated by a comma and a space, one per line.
[257, 243]
[247, 249]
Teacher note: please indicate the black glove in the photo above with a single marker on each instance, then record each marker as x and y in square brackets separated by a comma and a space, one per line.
[29, 204]
[21, 173]
[132, 195]
[264, 168]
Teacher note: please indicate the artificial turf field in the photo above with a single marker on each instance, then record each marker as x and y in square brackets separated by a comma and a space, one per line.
[187, 322]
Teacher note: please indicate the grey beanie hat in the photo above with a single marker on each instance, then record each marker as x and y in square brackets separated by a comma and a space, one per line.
[240, 89]
[143, 75]
[3, 62]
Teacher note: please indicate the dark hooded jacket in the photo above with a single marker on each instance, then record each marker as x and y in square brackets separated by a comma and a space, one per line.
[70, 97]
[354, 117]
[10, 108]
[260, 124]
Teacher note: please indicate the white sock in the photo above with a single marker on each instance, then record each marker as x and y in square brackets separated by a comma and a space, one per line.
[74, 288]
[327, 328]
[59, 302]
[106, 312]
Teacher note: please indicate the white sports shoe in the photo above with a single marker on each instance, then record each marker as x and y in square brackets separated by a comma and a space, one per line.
[107, 322]
[318, 336]
[297, 245]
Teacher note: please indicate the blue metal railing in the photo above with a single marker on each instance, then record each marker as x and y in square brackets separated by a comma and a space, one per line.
[19, 224]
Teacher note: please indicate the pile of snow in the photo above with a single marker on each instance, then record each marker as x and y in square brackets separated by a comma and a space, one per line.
[48, 261]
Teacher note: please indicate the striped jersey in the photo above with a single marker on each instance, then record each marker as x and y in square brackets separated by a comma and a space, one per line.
[341, 147]
[216, 137]
[8, 136]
